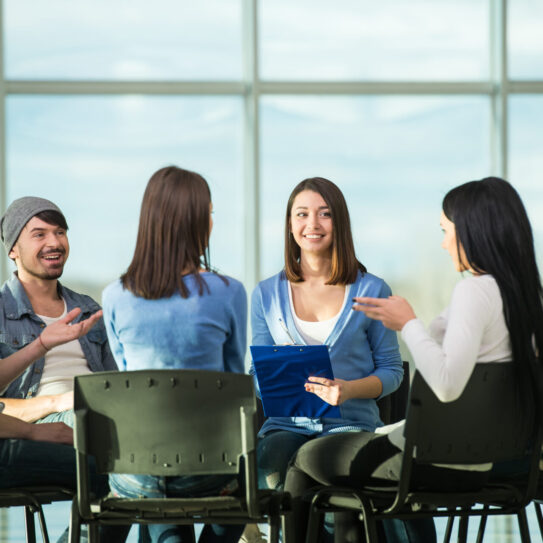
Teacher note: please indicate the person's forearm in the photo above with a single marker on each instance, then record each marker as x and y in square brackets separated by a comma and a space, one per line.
[13, 365]
[56, 432]
[11, 427]
[31, 409]
[367, 387]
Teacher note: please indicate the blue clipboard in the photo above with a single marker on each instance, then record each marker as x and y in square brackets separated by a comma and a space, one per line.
[282, 370]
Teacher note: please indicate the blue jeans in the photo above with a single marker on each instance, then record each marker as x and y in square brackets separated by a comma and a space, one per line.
[36, 463]
[139, 486]
[274, 452]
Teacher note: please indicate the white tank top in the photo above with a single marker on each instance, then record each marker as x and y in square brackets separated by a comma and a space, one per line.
[315, 333]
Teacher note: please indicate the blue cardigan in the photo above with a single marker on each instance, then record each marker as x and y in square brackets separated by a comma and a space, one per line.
[358, 346]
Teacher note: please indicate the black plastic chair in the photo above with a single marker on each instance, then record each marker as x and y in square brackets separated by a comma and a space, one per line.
[393, 407]
[169, 423]
[492, 421]
[32, 499]
[538, 513]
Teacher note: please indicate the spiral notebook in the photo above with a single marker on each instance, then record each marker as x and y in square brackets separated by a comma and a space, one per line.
[281, 372]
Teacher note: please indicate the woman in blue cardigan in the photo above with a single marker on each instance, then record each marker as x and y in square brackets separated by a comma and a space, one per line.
[310, 302]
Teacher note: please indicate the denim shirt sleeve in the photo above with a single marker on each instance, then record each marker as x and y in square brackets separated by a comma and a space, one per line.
[19, 326]
[385, 350]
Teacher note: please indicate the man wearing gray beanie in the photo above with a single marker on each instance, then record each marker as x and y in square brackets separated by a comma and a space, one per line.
[34, 233]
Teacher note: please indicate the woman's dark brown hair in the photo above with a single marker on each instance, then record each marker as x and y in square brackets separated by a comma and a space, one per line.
[173, 235]
[345, 265]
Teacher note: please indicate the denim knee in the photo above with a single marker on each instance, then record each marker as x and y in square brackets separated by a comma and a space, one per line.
[274, 452]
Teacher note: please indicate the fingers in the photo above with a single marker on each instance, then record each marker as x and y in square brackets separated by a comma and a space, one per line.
[372, 313]
[87, 324]
[81, 328]
[326, 393]
[320, 380]
[70, 316]
[366, 300]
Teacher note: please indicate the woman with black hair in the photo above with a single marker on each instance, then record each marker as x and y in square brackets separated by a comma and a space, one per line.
[495, 315]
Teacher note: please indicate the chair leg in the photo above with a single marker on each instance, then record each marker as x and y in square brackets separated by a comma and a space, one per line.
[523, 526]
[463, 530]
[29, 524]
[43, 525]
[370, 524]
[94, 536]
[75, 523]
[314, 524]
[482, 526]
[448, 530]
[539, 516]
[273, 525]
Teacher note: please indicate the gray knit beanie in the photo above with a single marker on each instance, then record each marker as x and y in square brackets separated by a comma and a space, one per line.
[18, 214]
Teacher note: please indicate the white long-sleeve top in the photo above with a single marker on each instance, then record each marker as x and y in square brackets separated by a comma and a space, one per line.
[470, 330]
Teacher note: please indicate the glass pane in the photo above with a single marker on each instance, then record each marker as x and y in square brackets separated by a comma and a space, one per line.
[93, 157]
[124, 39]
[526, 160]
[525, 39]
[364, 39]
[394, 158]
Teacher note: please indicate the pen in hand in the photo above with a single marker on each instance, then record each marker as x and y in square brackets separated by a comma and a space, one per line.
[284, 327]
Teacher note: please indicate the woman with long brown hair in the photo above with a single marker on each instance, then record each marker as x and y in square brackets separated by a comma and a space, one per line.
[171, 310]
[309, 302]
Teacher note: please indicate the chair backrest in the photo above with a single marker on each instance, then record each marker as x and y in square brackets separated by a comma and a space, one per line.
[489, 422]
[393, 407]
[165, 422]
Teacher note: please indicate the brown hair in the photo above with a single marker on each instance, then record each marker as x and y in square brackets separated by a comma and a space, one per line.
[345, 265]
[173, 235]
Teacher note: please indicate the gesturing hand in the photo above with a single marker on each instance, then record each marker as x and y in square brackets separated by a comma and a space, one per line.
[394, 312]
[63, 330]
[332, 391]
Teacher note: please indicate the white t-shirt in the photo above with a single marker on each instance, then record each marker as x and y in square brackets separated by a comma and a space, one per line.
[62, 364]
[315, 332]
[471, 330]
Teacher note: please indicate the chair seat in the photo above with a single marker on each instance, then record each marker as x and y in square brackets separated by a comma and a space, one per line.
[215, 506]
[29, 495]
[499, 495]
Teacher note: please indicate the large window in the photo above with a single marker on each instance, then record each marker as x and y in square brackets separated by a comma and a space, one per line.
[122, 40]
[394, 101]
[391, 40]
[93, 156]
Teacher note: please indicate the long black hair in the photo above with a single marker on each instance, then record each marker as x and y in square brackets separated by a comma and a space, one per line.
[493, 228]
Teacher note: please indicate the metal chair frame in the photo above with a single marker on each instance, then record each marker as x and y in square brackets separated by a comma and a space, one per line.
[488, 423]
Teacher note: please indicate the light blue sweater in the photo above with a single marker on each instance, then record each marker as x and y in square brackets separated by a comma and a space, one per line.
[207, 332]
[358, 346]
